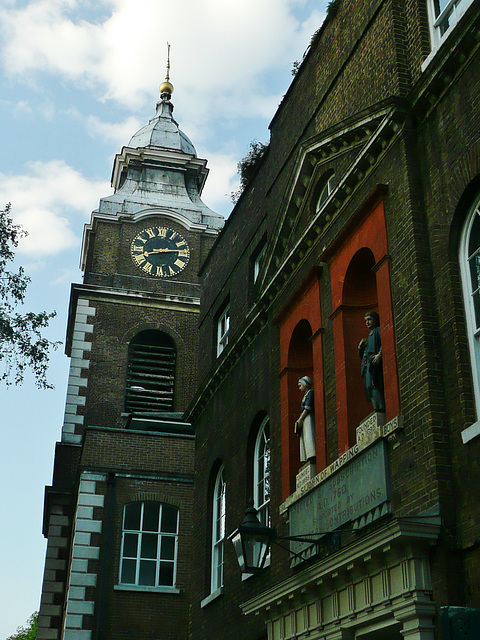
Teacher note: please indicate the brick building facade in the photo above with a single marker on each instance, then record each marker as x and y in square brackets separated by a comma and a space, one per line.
[366, 200]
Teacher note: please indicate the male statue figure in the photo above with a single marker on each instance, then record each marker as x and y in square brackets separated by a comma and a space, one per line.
[370, 351]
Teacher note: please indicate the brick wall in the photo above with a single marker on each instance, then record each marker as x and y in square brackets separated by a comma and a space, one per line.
[368, 57]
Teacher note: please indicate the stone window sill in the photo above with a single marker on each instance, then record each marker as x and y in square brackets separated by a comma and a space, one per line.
[134, 587]
[213, 596]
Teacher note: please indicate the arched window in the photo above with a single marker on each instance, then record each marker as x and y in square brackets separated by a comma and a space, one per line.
[149, 545]
[150, 372]
[218, 530]
[470, 271]
[261, 473]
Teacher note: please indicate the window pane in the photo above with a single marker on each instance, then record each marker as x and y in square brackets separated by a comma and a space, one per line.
[220, 528]
[168, 548]
[219, 565]
[166, 574]
[259, 498]
[267, 468]
[264, 515]
[130, 545]
[440, 6]
[132, 516]
[474, 238]
[476, 306]
[169, 519]
[474, 264]
[128, 572]
[150, 516]
[147, 573]
[149, 545]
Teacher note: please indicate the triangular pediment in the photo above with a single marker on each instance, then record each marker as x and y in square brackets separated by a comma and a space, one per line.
[350, 150]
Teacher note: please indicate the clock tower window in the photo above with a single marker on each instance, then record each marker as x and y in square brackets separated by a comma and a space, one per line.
[150, 372]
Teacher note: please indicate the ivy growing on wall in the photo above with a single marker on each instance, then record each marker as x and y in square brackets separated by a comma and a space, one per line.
[247, 167]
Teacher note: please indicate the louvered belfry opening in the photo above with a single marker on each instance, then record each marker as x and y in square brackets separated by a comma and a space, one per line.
[150, 372]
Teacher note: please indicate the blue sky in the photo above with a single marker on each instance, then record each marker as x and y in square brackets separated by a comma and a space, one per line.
[77, 79]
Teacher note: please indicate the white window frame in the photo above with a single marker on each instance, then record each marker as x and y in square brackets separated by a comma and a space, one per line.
[472, 329]
[325, 192]
[223, 327]
[258, 262]
[138, 557]
[218, 531]
[453, 11]
[261, 473]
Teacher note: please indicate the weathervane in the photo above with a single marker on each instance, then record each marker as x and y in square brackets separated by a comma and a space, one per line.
[167, 87]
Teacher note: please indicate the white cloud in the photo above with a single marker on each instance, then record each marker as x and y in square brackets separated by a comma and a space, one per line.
[119, 133]
[47, 201]
[221, 182]
[220, 48]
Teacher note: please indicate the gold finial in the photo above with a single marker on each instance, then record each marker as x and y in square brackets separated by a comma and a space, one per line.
[167, 86]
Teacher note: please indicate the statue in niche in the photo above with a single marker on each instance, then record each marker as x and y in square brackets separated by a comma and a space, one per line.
[305, 425]
[370, 351]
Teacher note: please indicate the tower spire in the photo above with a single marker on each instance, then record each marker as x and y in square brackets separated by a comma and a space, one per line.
[166, 88]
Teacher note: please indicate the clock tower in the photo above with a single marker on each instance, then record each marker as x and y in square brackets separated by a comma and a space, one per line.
[118, 515]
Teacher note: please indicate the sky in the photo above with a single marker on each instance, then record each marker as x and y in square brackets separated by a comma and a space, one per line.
[77, 79]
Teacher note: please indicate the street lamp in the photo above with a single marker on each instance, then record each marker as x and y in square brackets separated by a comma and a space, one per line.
[251, 541]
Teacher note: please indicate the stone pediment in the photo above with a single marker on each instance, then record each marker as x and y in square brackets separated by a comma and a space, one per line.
[299, 224]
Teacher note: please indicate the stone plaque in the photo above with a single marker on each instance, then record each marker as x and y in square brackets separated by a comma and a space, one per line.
[306, 473]
[355, 489]
[370, 429]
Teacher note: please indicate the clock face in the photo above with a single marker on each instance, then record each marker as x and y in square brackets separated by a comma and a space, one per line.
[160, 252]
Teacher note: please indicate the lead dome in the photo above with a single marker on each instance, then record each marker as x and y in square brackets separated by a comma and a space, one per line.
[163, 131]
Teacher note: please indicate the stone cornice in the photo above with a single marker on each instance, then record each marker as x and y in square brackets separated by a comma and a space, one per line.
[135, 297]
[408, 533]
[173, 160]
[138, 299]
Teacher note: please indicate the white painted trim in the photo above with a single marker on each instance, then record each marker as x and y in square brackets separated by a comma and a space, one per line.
[437, 40]
[218, 544]
[471, 432]
[223, 328]
[259, 441]
[473, 341]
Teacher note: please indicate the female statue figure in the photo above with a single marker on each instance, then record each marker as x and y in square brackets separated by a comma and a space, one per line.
[305, 425]
[370, 351]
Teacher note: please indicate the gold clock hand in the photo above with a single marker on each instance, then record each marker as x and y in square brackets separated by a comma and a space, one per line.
[149, 253]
